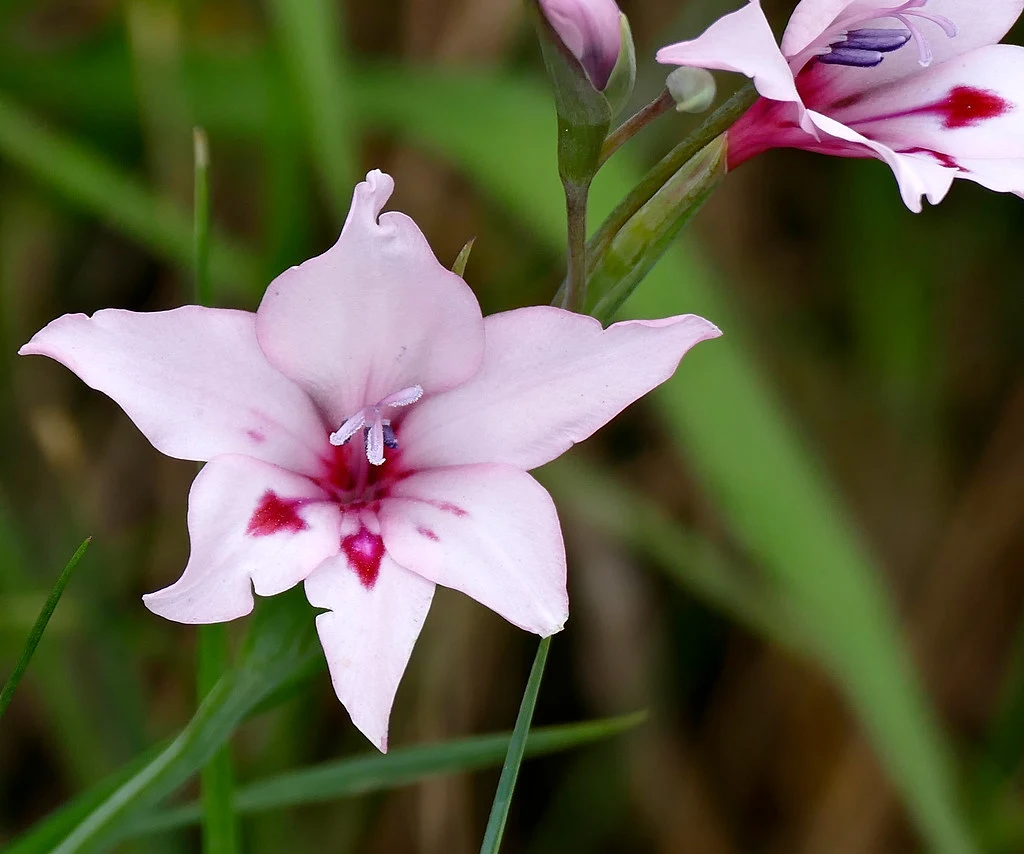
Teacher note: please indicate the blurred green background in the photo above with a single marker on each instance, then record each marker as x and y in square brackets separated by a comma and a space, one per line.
[804, 555]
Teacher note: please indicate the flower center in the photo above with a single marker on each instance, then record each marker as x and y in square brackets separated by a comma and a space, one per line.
[866, 48]
[378, 433]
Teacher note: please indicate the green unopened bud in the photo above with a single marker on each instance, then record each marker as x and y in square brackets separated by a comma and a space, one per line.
[642, 241]
[693, 89]
[623, 76]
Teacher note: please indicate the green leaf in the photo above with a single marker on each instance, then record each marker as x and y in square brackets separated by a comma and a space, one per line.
[282, 644]
[514, 758]
[36, 635]
[402, 767]
[314, 55]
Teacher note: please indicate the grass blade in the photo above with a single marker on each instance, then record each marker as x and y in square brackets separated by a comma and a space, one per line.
[40, 626]
[402, 767]
[89, 181]
[514, 758]
[315, 57]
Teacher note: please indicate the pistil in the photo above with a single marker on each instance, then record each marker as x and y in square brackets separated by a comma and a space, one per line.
[378, 433]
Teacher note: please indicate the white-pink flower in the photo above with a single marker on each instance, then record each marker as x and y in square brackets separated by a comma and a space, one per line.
[368, 433]
[920, 84]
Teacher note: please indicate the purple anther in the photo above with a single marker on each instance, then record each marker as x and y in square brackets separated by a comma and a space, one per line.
[883, 41]
[390, 441]
[852, 57]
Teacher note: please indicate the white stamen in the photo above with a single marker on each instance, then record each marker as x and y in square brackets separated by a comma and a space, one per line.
[347, 430]
[405, 397]
[375, 442]
[370, 418]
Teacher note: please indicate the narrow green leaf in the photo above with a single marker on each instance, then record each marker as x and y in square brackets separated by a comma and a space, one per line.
[89, 181]
[309, 34]
[282, 643]
[40, 626]
[462, 259]
[216, 780]
[363, 775]
[514, 758]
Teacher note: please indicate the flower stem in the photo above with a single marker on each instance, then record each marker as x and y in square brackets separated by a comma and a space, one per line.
[220, 828]
[715, 125]
[576, 219]
[635, 123]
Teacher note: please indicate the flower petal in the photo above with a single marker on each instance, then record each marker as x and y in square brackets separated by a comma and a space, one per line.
[917, 174]
[811, 18]
[489, 531]
[741, 41]
[368, 635]
[252, 525]
[549, 378]
[1004, 175]
[193, 380]
[971, 106]
[591, 31]
[374, 314]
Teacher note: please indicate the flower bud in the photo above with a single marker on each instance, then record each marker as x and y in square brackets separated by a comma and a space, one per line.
[693, 89]
[591, 31]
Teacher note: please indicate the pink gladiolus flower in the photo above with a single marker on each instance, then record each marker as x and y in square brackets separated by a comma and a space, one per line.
[920, 84]
[367, 433]
[590, 29]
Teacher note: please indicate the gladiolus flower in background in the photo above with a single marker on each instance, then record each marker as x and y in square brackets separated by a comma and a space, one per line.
[368, 434]
[920, 84]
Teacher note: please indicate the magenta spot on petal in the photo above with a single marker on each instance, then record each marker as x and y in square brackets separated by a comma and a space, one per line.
[364, 552]
[274, 514]
[942, 159]
[454, 509]
[966, 107]
[426, 532]
[256, 436]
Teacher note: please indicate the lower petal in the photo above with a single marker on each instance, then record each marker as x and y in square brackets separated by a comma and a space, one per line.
[252, 525]
[918, 174]
[490, 531]
[368, 634]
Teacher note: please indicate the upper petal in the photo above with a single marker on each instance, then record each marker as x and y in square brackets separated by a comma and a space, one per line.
[374, 314]
[741, 41]
[590, 29]
[368, 634]
[810, 20]
[193, 380]
[251, 525]
[490, 531]
[549, 379]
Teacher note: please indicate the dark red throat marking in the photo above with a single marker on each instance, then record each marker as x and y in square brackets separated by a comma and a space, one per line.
[364, 552]
[274, 514]
[966, 107]
[429, 534]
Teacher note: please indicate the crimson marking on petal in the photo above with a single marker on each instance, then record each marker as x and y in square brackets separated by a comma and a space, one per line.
[966, 107]
[448, 507]
[943, 159]
[256, 436]
[274, 514]
[364, 552]
[426, 532]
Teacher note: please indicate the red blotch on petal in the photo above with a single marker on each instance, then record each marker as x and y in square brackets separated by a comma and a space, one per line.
[448, 507]
[274, 514]
[364, 551]
[256, 436]
[426, 532]
[966, 107]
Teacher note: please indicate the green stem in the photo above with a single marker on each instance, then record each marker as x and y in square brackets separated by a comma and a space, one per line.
[576, 271]
[635, 123]
[220, 824]
[714, 126]
[514, 757]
